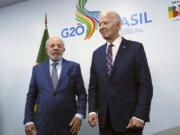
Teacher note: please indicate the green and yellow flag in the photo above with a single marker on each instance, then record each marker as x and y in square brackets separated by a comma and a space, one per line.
[42, 56]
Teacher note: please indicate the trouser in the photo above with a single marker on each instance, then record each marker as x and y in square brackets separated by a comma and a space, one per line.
[108, 129]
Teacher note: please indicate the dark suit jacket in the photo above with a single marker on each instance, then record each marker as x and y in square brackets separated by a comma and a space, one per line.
[56, 107]
[127, 92]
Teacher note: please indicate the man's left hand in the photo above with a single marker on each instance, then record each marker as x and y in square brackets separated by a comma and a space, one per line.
[75, 125]
[135, 124]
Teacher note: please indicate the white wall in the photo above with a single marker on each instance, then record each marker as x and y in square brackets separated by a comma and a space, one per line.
[21, 29]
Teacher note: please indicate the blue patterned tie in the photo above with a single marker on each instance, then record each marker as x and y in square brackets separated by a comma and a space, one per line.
[109, 59]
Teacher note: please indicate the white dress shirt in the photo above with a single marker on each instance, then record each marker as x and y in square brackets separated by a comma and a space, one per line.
[58, 66]
[115, 47]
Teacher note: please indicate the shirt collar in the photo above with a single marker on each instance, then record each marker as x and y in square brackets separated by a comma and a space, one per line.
[116, 42]
[59, 61]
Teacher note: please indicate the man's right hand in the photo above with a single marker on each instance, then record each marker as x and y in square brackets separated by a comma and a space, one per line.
[30, 129]
[93, 120]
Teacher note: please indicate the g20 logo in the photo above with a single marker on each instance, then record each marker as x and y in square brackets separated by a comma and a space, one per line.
[72, 31]
[86, 17]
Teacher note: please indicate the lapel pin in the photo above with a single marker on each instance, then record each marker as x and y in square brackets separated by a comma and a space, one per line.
[124, 46]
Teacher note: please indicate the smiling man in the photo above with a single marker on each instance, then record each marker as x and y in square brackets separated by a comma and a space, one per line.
[56, 82]
[120, 88]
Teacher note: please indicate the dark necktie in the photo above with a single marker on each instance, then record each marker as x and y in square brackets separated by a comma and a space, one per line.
[109, 59]
[54, 75]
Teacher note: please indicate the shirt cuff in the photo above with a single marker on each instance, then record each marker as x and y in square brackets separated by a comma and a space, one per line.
[80, 116]
[139, 119]
[91, 113]
[28, 123]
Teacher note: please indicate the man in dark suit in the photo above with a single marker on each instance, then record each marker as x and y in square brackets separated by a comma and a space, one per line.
[120, 88]
[56, 82]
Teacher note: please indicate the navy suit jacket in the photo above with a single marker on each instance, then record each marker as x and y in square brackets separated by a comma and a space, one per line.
[56, 107]
[127, 92]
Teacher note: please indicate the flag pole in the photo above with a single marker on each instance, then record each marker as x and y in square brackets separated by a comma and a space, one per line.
[42, 56]
[46, 20]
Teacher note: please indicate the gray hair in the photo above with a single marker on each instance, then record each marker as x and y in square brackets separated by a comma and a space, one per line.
[47, 42]
[114, 14]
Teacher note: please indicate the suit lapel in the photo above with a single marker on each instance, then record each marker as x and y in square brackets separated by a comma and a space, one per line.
[103, 59]
[64, 70]
[120, 54]
[47, 75]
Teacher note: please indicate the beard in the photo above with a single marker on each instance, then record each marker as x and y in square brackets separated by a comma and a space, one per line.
[54, 56]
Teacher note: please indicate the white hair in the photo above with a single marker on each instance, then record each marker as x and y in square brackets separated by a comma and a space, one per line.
[114, 14]
[47, 42]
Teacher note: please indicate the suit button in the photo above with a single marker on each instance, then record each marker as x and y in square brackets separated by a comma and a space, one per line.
[54, 94]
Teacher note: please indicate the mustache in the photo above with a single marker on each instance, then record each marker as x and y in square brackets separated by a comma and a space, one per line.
[55, 52]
